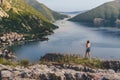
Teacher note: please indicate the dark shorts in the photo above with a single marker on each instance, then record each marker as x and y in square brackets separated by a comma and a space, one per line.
[88, 50]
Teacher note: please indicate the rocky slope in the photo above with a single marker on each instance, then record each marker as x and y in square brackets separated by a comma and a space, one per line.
[24, 19]
[51, 72]
[106, 14]
[48, 13]
[3, 13]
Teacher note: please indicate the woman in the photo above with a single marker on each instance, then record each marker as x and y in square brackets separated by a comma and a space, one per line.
[87, 54]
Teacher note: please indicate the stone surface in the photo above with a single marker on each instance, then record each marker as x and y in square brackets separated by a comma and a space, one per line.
[51, 72]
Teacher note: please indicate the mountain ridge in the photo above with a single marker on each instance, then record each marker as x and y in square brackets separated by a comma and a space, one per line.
[50, 14]
[107, 14]
[23, 18]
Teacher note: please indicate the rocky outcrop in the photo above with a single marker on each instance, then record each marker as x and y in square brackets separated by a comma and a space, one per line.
[117, 23]
[51, 72]
[98, 21]
[115, 65]
[10, 38]
[3, 13]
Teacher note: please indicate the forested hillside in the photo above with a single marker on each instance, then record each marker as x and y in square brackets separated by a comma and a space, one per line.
[18, 16]
[47, 12]
[107, 14]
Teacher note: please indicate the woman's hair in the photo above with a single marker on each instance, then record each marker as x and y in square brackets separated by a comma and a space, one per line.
[88, 41]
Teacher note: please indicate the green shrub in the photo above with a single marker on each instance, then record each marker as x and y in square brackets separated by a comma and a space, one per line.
[24, 63]
[6, 62]
[71, 59]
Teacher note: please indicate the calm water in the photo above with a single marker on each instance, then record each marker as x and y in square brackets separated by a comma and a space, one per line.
[71, 38]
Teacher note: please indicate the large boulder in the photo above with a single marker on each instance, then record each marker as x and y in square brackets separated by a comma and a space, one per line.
[6, 75]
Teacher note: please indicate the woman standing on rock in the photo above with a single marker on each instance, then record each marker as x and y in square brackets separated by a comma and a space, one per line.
[87, 54]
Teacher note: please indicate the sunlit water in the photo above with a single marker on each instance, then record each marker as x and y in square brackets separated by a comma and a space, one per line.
[71, 38]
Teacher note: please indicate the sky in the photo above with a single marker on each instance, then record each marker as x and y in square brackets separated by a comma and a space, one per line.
[72, 5]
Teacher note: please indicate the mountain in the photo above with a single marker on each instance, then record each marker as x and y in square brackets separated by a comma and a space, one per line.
[106, 14]
[73, 12]
[48, 13]
[18, 16]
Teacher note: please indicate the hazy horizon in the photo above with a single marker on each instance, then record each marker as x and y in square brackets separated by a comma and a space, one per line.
[72, 5]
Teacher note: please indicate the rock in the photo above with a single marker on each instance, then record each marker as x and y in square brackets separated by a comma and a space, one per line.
[78, 76]
[77, 67]
[87, 69]
[53, 76]
[6, 74]
[117, 23]
[43, 77]
[115, 65]
[11, 37]
[84, 76]
[3, 67]
[51, 72]
[110, 77]
[17, 73]
[3, 13]
[111, 71]
[98, 21]
[60, 74]
[23, 75]
[69, 76]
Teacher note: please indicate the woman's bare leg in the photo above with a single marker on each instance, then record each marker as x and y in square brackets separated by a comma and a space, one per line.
[89, 54]
[86, 54]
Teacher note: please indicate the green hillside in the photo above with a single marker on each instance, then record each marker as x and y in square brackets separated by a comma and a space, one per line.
[23, 18]
[48, 13]
[109, 12]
